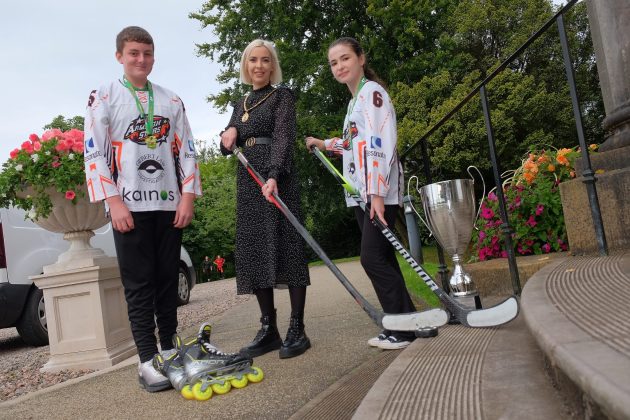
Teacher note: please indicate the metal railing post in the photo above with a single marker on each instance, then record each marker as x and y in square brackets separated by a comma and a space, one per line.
[505, 226]
[413, 233]
[587, 173]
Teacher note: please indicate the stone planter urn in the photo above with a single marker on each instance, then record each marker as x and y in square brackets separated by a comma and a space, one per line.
[88, 327]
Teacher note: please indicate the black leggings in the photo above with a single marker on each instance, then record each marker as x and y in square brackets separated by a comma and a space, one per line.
[378, 259]
[266, 302]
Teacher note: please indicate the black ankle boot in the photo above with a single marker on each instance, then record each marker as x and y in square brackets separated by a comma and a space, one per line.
[296, 342]
[266, 340]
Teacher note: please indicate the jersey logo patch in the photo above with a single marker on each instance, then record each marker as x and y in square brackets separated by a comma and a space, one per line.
[136, 131]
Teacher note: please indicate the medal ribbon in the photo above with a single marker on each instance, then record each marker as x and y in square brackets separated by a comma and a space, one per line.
[148, 119]
[351, 108]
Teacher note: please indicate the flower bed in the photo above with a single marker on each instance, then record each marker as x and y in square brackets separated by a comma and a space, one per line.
[534, 208]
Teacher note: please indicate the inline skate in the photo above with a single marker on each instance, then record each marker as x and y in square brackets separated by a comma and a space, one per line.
[208, 370]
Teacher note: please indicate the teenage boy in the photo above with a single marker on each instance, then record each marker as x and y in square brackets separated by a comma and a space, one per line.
[140, 158]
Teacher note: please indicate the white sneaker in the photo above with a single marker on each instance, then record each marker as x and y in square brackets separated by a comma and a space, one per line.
[393, 343]
[151, 379]
[374, 341]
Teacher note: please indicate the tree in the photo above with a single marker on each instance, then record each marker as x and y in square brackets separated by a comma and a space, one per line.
[65, 124]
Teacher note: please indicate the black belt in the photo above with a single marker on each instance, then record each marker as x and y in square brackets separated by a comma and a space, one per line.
[253, 141]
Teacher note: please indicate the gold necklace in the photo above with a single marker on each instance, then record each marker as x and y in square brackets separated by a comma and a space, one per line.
[245, 116]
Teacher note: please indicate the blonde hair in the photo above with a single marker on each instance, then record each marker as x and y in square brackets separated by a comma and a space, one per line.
[276, 72]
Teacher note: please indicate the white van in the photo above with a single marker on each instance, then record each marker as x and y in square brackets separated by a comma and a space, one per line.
[25, 249]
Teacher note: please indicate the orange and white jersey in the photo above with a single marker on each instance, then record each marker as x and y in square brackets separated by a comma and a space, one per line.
[368, 146]
[118, 160]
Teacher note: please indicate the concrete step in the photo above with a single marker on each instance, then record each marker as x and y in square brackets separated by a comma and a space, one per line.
[577, 309]
[465, 373]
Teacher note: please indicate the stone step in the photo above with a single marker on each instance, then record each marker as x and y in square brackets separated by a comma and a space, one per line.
[577, 309]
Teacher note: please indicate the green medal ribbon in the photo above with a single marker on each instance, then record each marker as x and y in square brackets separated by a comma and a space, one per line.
[150, 139]
[351, 108]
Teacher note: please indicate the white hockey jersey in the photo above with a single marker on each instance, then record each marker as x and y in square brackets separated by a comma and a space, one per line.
[119, 162]
[368, 146]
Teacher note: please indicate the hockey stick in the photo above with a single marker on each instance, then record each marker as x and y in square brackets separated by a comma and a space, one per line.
[496, 315]
[396, 322]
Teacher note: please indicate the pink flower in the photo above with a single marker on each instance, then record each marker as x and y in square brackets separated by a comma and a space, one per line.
[482, 235]
[484, 253]
[487, 213]
[531, 221]
[14, 153]
[517, 201]
[70, 195]
[492, 196]
[27, 146]
[504, 254]
[56, 164]
[50, 134]
[546, 248]
[33, 138]
[37, 146]
[539, 209]
[74, 135]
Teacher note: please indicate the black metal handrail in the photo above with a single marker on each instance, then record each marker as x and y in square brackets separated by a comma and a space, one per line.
[588, 174]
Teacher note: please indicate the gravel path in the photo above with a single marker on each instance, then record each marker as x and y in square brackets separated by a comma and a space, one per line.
[20, 363]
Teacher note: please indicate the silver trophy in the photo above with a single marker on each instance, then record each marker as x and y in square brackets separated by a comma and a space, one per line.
[451, 212]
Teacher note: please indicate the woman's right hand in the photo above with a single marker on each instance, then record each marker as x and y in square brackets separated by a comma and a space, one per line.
[228, 138]
[312, 141]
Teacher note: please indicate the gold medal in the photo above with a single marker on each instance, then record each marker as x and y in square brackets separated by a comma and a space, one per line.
[151, 142]
[245, 117]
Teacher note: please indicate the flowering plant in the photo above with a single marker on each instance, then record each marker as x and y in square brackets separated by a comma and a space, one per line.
[533, 204]
[54, 160]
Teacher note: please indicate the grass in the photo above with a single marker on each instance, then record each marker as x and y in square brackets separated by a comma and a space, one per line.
[417, 288]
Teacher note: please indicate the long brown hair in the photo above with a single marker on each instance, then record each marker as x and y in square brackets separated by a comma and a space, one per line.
[356, 47]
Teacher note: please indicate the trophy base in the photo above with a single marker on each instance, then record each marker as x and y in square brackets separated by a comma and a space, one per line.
[472, 301]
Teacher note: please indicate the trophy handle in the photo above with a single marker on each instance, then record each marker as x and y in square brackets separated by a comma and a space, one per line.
[411, 202]
[484, 190]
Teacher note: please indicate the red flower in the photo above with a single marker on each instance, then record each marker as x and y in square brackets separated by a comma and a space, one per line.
[33, 138]
[14, 153]
[27, 146]
[70, 195]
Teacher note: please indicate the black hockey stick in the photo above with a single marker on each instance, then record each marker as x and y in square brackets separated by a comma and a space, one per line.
[396, 322]
[496, 315]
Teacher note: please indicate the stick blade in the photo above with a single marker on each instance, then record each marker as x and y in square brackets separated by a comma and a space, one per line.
[415, 320]
[499, 314]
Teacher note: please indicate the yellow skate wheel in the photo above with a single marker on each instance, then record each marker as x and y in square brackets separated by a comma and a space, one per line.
[187, 392]
[256, 376]
[221, 389]
[201, 395]
[239, 383]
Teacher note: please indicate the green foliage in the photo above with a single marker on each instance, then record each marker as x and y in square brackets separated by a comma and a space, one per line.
[213, 228]
[66, 124]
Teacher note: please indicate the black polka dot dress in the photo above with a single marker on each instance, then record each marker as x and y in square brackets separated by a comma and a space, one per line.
[269, 251]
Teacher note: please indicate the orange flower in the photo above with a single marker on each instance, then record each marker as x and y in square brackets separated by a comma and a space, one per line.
[529, 177]
[593, 147]
[551, 167]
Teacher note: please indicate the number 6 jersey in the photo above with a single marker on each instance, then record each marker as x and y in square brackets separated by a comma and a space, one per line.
[368, 146]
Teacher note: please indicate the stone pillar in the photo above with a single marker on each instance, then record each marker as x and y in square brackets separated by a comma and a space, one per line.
[86, 310]
[610, 28]
[609, 23]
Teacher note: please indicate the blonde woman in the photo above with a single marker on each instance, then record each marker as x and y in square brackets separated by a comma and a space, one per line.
[269, 251]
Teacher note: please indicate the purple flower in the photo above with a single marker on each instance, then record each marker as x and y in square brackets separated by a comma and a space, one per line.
[517, 201]
[539, 209]
[482, 235]
[546, 248]
[492, 196]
